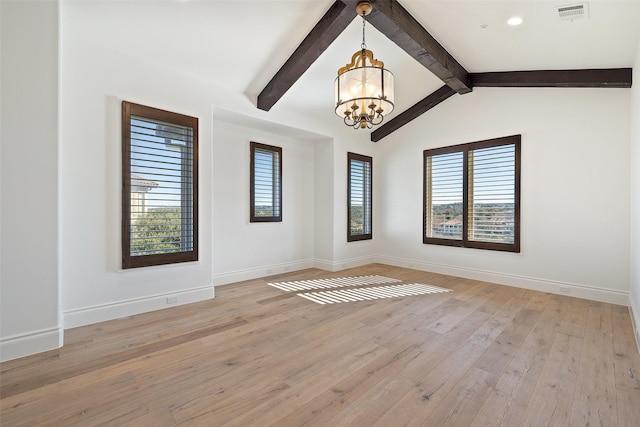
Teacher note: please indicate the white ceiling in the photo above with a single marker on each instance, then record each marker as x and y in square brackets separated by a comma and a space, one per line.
[242, 43]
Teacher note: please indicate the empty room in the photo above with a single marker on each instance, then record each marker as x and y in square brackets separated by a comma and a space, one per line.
[327, 213]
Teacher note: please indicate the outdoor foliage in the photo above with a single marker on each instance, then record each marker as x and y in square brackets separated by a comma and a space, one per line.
[156, 231]
[357, 219]
[264, 210]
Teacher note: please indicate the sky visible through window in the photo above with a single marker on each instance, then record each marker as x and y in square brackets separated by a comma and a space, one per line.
[359, 197]
[491, 194]
[266, 183]
[161, 199]
[357, 183]
[263, 175]
[157, 151]
[493, 173]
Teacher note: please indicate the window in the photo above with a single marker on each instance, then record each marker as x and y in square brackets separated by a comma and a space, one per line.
[159, 188]
[266, 183]
[359, 197]
[472, 195]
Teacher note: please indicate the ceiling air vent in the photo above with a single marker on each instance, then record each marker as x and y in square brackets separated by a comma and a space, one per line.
[572, 12]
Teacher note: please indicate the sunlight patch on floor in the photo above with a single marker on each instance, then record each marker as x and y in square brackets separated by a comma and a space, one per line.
[336, 282]
[371, 293]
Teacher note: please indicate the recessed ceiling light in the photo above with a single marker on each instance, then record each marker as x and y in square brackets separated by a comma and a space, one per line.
[516, 20]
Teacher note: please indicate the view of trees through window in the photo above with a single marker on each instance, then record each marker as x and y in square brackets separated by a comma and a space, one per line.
[494, 221]
[159, 220]
[158, 231]
[444, 188]
[471, 194]
[357, 219]
[160, 177]
[447, 221]
[359, 197]
[266, 183]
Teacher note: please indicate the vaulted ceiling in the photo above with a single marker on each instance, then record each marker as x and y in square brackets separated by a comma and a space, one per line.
[243, 43]
[398, 25]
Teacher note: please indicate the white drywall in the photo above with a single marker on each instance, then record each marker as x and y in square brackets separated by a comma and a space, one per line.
[29, 305]
[242, 249]
[94, 82]
[95, 79]
[350, 254]
[634, 296]
[575, 188]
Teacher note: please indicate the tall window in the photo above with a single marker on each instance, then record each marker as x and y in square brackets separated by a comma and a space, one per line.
[359, 197]
[159, 188]
[472, 195]
[266, 183]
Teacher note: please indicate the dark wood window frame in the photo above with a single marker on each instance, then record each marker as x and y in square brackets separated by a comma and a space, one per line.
[514, 140]
[188, 192]
[276, 184]
[367, 233]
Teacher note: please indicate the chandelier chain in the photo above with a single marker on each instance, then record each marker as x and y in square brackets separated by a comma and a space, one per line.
[364, 20]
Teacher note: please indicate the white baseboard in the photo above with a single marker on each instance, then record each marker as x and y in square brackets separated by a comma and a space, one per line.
[258, 272]
[341, 265]
[115, 310]
[21, 345]
[270, 270]
[543, 285]
[635, 320]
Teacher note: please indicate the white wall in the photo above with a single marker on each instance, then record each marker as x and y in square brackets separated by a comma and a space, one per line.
[575, 188]
[324, 204]
[634, 297]
[94, 81]
[29, 179]
[349, 254]
[243, 250]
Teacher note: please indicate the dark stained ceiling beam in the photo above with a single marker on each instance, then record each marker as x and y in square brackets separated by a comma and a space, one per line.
[330, 26]
[416, 110]
[611, 77]
[395, 22]
[596, 78]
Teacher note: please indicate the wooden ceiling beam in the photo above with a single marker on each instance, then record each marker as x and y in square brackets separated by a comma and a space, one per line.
[413, 112]
[610, 77]
[397, 24]
[596, 78]
[330, 26]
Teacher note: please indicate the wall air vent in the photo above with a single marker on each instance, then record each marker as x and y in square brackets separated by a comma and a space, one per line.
[573, 12]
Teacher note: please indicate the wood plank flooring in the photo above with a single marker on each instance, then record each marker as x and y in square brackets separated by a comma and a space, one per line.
[482, 355]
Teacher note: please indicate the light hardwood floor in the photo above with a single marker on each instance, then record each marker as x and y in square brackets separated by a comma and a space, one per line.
[482, 355]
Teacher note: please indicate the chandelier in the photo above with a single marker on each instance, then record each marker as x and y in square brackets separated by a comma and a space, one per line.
[364, 93]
